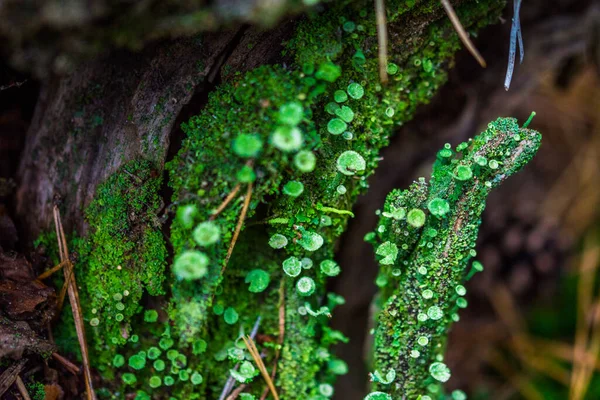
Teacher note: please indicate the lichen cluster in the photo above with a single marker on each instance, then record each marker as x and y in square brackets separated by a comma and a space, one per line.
[425, 241]
[293, 145]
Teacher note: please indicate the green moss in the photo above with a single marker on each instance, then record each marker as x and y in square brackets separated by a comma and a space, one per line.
[421, 291]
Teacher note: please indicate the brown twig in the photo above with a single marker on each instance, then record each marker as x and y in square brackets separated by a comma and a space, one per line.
[75, 304]
[10, 374]
[462, 34]
[72, 368]
[22, 389]
[236, 392]
[50, 271]
[225, 202]
[238, 228]
[382, 39]
[261, 365]
[281, 335]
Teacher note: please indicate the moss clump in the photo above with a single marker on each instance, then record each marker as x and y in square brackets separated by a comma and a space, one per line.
[123, 256]
[422, 289]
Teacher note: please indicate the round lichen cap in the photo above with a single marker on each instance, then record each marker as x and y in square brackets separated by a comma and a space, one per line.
[207, 233]
[191, 265]
[350, 162]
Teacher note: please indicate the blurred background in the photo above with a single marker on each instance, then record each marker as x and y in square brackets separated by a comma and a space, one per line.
[532, 328]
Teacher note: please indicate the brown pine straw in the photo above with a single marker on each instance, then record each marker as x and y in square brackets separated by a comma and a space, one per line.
[238, 228]
[382, 39]
[50, 271]
[225, 202]
[72, 368]
[462, 34]
[234, 395]
[71, 285]
[281, 335]
[22, 389]
[261, 365]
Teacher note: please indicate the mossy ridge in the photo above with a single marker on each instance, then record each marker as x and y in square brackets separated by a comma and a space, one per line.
[423, 288]
[205, 171]
[123, 256]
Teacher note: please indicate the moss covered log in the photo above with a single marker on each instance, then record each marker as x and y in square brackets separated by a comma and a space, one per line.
[425, 242]
[282, 152]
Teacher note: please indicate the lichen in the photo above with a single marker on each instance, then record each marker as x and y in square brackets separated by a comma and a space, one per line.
[423, 289]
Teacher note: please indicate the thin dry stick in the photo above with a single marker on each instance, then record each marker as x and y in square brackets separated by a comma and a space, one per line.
[588, 263]
[564, 352]
[72, 368]
[261, 365]
[227, 200]
[22, 389]
[50, 271]
[594, 347]
[234, 395]
[281, 335]
[238, 228]
[464, 36]
[382, 39]
[75, 304]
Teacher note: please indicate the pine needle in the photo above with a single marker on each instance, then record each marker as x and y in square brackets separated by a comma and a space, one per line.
[238, 228]
[72, 368]
[225, 202]
[75, 304]
[281, 335]
[261, 365]
[50, 271]
[382, 39]
[462, 34]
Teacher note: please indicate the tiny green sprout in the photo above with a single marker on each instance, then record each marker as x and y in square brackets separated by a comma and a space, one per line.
[392, 69]
[196, 378]
[435, 313]
[439, 371]
[388, 251]
[134, 338]
[292, 266]
[246, 174]
[159, 365]
[340, 96]
[355, 90]
[461, 302]
[172, 354]
[117, 297]
[141, 395]
[480, 160]
[169, 381]
[389, 112]
[460, 290]
[165, 343]
[341, 189]
[336, 126]
[305, 161]
[258, 280]
[191, 265]
[425, 397]
[350, 162]
[129, 379]
[349, 27]
[153, 353]
[455, 317]
[155, 382]
[347, 135]
[378, 396]
[328, 71]
[476, 267]
[493, 164]
[293, 188]
[305, 286]
[291, 113]
[307, 263]
[310, 241]
[278, 241]
[337, 367]
[423, 341]
[422, 270]
[427, 294]
[345, 113]
[218, 309]
[525, 125]
[459, 395]
[326, 389]
[119, 317]
[94, 322]
[396, 213]
[180, 361]
[230, 315]
[287, 138]
[415, 353]
[330, 268]
[244, 373]
[137, 361]
[416, 217]
[207, 233]
[331, 107]
[422, 317]
[389, 377]
[199, 346]
[120, 306]
[463, 172]
[438, 207]
[247, 145]
[184, 376]
[118, 361]
[150, 315]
